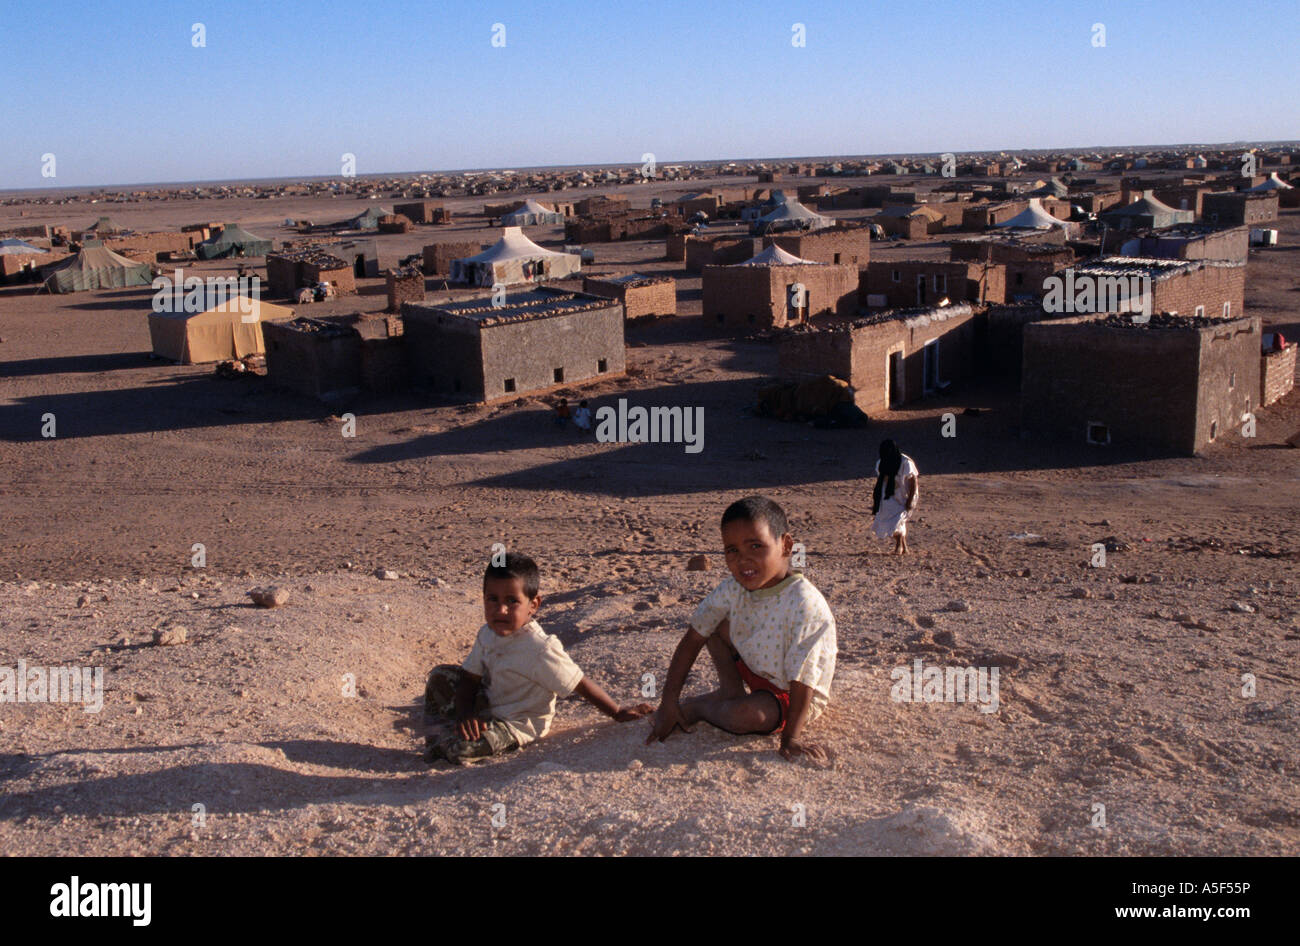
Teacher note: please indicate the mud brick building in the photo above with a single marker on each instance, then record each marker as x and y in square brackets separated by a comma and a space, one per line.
[500, 210]
[910, 222]
[838, 244]
[675, 246]
[335, 357]
[1025, 264]
[893, 284]
[601, 205]
[394, 223]
[1188, 241]
[423, 211]
[13, 265]
[1276, 374]
[1239, 208]
[854, 198]
[1175, 383]
[403, 285]
[1179, 287]
[761, 293]
[152, 246]
[889, 359]
[981, 216]
[641, 296]
[438, 256]
[290, 270]
[722, 250]
[540, 340]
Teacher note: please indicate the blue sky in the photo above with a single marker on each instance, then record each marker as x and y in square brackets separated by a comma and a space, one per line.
[119, 94]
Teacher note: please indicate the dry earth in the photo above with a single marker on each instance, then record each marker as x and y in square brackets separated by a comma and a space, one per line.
[1119, 686]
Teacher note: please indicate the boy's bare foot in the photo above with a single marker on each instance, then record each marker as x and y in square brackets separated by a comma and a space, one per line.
[813, 752]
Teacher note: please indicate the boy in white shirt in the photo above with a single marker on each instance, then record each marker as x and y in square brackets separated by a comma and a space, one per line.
[503, 696]
[771, 636]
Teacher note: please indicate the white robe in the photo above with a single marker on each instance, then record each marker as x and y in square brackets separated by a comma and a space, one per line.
[892, 518]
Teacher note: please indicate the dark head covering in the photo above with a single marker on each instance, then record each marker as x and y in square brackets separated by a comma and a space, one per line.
[891, 459]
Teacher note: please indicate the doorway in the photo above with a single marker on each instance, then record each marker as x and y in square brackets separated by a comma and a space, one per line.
[920, 289]
[930, 366]
[894, 378]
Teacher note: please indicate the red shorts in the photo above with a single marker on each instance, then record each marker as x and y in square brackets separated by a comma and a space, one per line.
[757, 683]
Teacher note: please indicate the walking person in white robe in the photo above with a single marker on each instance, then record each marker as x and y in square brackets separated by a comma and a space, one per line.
[893, 501]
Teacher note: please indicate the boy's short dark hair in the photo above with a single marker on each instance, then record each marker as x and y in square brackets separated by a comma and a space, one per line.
[518, 566]
[758, 509]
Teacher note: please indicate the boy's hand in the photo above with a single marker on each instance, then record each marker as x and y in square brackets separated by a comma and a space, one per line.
[471, 728]
[667, 718]
[815, 753]
[626, 714]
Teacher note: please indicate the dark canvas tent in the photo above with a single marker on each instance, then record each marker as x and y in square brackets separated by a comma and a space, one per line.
[233, 240]
[368, 219]
[104, 226]
[95, 267]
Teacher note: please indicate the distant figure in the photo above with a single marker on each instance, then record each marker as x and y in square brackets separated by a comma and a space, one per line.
[562, 412]
[894, 499]
[582, 416]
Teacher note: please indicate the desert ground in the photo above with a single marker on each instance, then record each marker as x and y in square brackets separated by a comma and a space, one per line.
[1120, 686]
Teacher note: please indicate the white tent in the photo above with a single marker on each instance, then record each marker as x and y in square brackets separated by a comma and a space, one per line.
[11, 247]
[532, 214]
[790, 215]
[1033, 216]
[514, 259]
[775, 256]
[1274, 183]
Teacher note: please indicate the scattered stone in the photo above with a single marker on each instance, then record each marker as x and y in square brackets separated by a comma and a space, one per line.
[124, 641]
[1111, 596]
[347, 565]
[698, 563]
[925, 620]
[982, 573]
[946, 639]
[82, 601]
[635, 764]
[1242, 608]
[167, 637]
[269, 597]
[1080, 593]
[957, 605]
[385, 574]
[641, 606]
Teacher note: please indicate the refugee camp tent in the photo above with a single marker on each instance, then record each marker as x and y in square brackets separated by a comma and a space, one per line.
[1053, 188]
[532, 214]
[775, 256]
[233, 240]
[232, 329]
[104, 226]
[514, 259]
[790, 215]
[95, 267]
[1274, 183]
[11, 247]
[368, 219]
[1146, 211]
[1033, 216]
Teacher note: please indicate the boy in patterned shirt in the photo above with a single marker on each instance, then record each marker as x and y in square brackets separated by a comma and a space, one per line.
[771, 636]
[503, 696]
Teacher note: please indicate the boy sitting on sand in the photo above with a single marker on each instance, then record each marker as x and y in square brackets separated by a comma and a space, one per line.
[771, 636]
[503, 696]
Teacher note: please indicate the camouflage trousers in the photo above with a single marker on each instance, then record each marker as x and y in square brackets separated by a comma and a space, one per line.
[442, 741]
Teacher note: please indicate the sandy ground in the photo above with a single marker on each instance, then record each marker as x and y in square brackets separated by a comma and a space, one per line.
[1119, 686]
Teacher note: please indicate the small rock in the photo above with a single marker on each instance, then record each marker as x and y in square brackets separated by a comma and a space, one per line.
[698, 563]
[981, 573]
[269, 597]
[194, 594]
[925, 620]
[946, 639]
[1080, 593]
[166, 637]
[641, 606]
[1242, 608]
[347, 565]
[82, 601]
[124, 641]
[635, 764]
[957, 605]
[385, 574]
[1111, 596]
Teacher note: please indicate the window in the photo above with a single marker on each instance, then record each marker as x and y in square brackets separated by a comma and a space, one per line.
[837, 257]
[557, 375]
[602, 366]
[897, 277]
[1214, 430]
[1227, 309]
[1200, 311]
[1020, 279]
[510, 385]
[940, 282]
[1232, 380]
[1098, 434]
[1214, 217]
